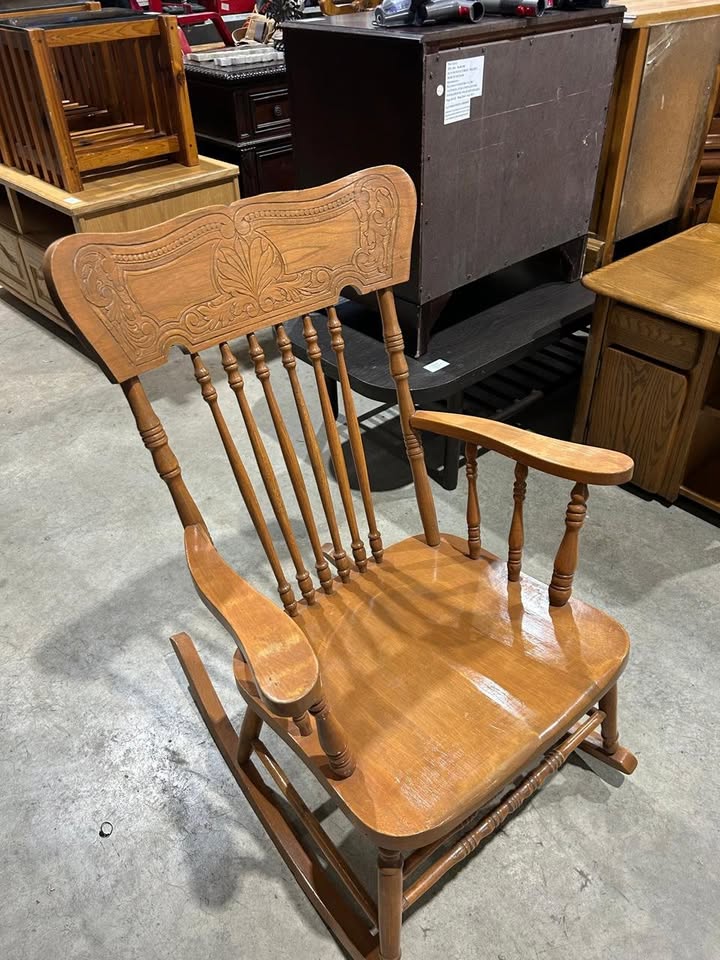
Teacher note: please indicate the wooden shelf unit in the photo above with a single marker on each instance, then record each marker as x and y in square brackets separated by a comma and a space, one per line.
[33, 214]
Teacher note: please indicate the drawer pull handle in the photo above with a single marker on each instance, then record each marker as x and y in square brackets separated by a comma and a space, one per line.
[277, 111]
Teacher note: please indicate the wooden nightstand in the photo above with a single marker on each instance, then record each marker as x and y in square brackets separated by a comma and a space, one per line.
[651, 384]
[242, 116]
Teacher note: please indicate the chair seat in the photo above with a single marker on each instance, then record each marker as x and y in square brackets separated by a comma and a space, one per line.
[448, 681]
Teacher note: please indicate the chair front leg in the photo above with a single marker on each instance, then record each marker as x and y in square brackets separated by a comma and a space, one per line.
[609, 729]
[606, 747]
[390, 902]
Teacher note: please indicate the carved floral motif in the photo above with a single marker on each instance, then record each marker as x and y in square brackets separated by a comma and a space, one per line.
[251, 284]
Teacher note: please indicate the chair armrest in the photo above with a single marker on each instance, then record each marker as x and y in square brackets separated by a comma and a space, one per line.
[280, 657]
[574, 461]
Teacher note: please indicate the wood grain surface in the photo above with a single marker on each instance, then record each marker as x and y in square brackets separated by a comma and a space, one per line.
[560, 458]
[678, 278]
[442, 670]
[217, 274]
[636, 408]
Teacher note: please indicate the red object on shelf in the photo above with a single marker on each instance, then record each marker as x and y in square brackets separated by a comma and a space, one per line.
[224, 7]
[190, 19]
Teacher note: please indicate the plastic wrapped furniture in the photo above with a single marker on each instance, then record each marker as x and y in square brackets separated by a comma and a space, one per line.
[663, 96]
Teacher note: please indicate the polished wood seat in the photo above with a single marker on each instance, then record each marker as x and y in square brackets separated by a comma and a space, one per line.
[417, 681]
[435, 661]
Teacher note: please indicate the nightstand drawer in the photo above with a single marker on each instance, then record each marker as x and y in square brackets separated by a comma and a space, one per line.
[33, 256]
[667, 341]
[269, 110]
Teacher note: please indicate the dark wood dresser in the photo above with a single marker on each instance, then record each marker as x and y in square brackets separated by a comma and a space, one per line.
[499, 123]
[242, 116]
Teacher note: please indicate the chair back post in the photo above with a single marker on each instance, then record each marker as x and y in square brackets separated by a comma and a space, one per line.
[395, 346]
[155, 439]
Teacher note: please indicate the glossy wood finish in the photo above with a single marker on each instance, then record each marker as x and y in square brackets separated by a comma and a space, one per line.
[501, 662]
[433, 662]
[333, 437]
[390, 895]
[473, 504]
[557, 457]
[366, 222]
[285, 670]
[516, 538]
[510, 804]
[566, 559]
[356, 446]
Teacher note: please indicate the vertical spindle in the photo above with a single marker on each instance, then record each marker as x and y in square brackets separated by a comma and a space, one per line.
[473, 504]
[516, 537]
[356, 445]
[566, 558]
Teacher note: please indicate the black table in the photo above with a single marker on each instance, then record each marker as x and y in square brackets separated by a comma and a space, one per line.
[462, 354]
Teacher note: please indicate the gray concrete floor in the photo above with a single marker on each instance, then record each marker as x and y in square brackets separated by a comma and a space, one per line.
[97, 724]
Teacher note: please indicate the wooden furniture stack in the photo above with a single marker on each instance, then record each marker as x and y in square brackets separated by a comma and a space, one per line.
[242, 116]
[663, 97]
[88, 91]
[418, 681]
[33, 214]
[651, 384]
[507, 178]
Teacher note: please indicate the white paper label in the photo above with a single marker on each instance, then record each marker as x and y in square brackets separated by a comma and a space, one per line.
[463, 81]
[436, 365]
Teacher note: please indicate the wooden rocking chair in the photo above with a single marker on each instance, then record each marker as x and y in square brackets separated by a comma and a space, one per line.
[420, 682]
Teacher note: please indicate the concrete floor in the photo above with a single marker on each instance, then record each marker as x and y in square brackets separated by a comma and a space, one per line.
[97, 724]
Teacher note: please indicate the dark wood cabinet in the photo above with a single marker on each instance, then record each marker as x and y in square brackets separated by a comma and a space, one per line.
[499, 123]
[242, 116]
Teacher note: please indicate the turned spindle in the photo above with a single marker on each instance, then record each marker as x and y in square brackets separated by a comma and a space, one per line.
[473, 504]
[516, 537]
[337, 342]
[155, 439]
[333, 740]
[566, 558]
[302, 722]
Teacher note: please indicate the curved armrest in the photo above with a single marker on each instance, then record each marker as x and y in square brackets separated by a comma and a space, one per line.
[574, 461]
[282, 662]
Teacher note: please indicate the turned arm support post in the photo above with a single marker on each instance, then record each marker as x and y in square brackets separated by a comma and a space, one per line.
[473, 504]
[560, 458]
[566, 559]
[282, 661]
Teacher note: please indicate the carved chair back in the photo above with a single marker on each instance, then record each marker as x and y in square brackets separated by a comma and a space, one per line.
[207, 278]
